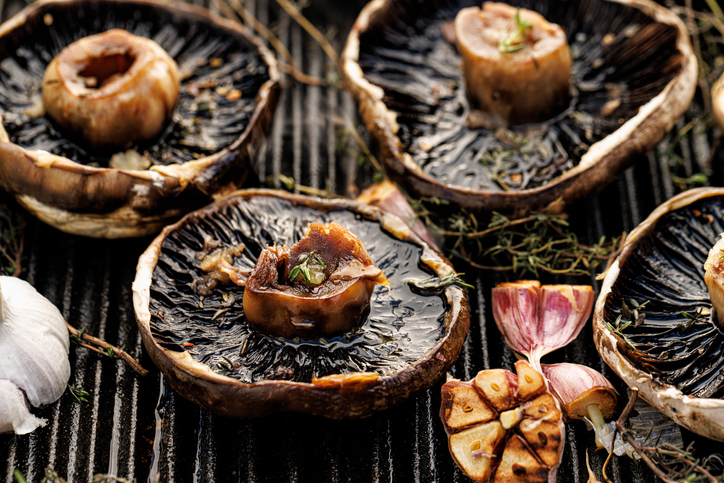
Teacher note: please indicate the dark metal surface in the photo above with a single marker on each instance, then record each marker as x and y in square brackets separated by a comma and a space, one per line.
[139, 428]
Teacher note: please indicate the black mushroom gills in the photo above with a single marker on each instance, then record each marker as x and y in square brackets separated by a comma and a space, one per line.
[671, 351]
[206, 347]
[633, 74]
[320, 287]
[122, 187]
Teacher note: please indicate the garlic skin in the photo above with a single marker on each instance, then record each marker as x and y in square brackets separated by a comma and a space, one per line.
[536, 320]
[34, 344]
[577, 386]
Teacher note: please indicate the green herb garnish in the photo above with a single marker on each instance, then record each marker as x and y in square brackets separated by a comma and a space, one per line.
[303, 268]
[78, 394]
[440, 283]
[516, 42]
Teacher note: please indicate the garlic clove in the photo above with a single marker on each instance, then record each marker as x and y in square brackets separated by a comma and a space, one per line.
[386, 196]
[34, 348]
[14, 414]
[536, 320]
[564, 310]
[515, 310]
[462, 406]
[577, 386]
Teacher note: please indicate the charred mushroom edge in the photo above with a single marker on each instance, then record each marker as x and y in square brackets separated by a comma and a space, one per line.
[690, 412]
[601, 164]
[336, 396]
[113, 203]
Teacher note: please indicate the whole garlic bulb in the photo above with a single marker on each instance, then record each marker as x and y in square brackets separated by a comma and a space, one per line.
[34, 366]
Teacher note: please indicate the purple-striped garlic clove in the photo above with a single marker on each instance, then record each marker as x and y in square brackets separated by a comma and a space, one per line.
[536, 320]
[577, 386]
[387, 197]
[583, 393]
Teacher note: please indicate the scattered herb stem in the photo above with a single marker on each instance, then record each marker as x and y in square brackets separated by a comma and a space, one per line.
[436, 284]
[670, 463]
[104, 348]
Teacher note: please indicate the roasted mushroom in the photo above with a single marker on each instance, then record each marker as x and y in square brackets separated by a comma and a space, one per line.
[653, 321]
[210, 354]
[633, 74]
[80, 168]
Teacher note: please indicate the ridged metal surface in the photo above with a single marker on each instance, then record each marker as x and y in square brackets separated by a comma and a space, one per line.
[139, 428]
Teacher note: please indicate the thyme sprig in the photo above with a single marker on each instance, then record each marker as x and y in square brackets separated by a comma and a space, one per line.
[78, 394]
[103, 348]
[303, 267]
[516, 41]
[436, 284]
[670, 463]
[540, 242]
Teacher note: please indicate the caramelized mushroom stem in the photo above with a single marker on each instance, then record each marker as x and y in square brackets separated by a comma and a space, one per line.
[517, 66]
[111, 90]
[320, 287]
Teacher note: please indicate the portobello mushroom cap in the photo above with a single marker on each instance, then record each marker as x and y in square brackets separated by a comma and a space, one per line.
[673, 352]
[634, 73]
[211, 356]
[229, 88]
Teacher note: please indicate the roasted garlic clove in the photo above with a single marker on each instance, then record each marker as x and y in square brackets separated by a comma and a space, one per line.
[517, 66]
[577, 387]
[584, 393]
[320, 287]
[111, 90]
[536, 320]
[503, 426]
[34, 343]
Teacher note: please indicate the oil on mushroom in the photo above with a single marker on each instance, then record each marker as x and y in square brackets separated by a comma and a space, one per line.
[115, 122]
[217, 348]
[656, 323]
[419, 87]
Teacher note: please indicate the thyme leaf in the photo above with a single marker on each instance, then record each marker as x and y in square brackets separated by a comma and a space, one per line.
[78, 394]
[303, 268]
[436, 284]
[515, 42]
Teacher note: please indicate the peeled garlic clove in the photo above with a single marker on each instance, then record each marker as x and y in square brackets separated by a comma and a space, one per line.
[34, 347]
[536, 320]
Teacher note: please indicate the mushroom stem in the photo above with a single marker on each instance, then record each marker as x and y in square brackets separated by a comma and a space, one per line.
[2, 308]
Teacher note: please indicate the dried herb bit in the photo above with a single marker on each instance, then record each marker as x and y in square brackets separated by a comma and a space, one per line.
[78, 394]
[671, 462]
[617, 328]
[515, 42]
[438, 284]
[12, 229]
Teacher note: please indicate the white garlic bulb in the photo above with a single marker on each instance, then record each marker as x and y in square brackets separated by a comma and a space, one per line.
[34, 366]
